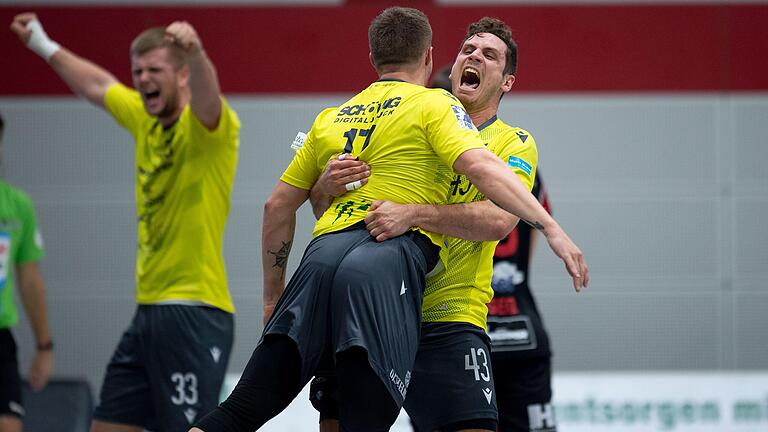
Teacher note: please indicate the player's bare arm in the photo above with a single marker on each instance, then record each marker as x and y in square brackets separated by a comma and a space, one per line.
[477, 221]
[491, 176]
[279, 224]
[32, 290]
[480, 221]
[83, 77]
[341, 175]
[205, 94]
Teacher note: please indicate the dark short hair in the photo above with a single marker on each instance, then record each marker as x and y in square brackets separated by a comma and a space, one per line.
[499, 29]
[399, 35]
[442, 79]
[153, 38]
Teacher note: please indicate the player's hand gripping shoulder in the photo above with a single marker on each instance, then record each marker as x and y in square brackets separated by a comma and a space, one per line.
[566, 249]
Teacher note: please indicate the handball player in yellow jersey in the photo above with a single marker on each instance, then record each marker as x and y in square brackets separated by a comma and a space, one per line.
[168, 368]
[354, 304]
[452, 387]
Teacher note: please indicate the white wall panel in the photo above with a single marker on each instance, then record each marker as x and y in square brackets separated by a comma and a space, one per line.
[666, 195]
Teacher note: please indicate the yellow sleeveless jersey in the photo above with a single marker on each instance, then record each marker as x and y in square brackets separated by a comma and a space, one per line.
[462, 291]
[408, 134]
[184, 177]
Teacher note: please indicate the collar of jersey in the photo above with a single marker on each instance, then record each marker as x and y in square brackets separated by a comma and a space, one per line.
[389, 79]
[488, 122]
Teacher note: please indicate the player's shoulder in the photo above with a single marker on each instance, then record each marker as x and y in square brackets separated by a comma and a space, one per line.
[438, 96]
[326, 116]
[500, 135]
[15, 194]
[513, 132]
[118, 90]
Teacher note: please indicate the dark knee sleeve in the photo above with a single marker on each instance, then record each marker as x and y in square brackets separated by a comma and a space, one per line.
[269, 383]
[365, 404]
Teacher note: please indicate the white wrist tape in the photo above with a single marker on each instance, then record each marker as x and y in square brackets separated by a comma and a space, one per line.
[355, 185]
[39, 42]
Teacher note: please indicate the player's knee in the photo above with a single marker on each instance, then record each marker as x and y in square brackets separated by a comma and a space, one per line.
[324, 396]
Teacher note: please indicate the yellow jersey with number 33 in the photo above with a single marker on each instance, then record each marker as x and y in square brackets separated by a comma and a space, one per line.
[409, 135]
[462, 291]
[184, 176]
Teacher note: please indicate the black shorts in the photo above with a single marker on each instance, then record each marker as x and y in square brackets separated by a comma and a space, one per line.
[524, 391]
[168, 367]
[352, 291]
[452, 381]
[10, 381]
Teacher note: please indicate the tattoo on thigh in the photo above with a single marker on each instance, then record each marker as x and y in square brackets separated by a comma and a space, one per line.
[281, 257]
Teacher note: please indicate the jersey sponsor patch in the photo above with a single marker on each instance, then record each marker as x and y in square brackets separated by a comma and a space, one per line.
[513, 333]
[299, 141]
[516, 162]
[16, 407]
[462, 118]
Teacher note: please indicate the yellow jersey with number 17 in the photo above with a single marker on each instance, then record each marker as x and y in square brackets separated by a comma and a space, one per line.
[462, 291]
[409, 135]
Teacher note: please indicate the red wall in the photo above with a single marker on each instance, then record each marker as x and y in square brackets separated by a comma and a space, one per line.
[664, 48]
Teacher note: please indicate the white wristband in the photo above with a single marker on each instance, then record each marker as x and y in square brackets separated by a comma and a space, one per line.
[39, 42]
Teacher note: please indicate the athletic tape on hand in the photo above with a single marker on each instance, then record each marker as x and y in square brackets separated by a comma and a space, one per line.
[353, 185]
[39, 42]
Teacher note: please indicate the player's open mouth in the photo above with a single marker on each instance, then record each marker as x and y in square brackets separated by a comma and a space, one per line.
[148, 96]
[470, 78]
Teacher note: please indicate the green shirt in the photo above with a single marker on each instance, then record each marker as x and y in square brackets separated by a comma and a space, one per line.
[20, 243]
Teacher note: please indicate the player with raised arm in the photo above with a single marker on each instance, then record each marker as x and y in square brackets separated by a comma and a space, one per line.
[170, 363]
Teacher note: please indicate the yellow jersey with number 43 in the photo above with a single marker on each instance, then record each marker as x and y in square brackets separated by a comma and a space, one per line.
[461, 292]
[409, 135]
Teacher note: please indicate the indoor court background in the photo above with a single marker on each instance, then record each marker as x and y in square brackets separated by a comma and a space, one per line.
[650, 120]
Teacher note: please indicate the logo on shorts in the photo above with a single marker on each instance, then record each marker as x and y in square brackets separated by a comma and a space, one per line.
[488, 393]
[190, 414]
[402, 386]
[403, 289]
[216, 354]
[16, 408]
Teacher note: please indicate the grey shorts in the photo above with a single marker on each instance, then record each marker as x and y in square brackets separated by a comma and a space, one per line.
[452, 378]
[352, 291]
[168, 367]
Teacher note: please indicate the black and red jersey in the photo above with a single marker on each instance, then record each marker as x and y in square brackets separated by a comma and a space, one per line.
[514, 323]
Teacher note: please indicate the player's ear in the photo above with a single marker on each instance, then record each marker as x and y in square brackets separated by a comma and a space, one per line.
[508, 81]
[428, 57]
[184, 76]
